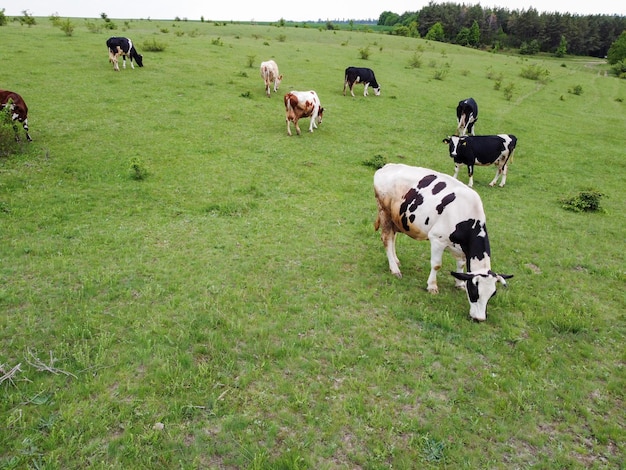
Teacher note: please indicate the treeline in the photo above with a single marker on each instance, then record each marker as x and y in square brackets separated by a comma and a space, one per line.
[501, 28]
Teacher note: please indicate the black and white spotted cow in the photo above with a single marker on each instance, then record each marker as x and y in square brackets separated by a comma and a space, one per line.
[482, 150]
[123, 47]
[466, 116]
[427, 205]
[360, 75]
[18, 110]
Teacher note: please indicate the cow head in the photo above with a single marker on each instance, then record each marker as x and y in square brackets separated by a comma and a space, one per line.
[139, 59]
[453, 143]
[377, 90]
[320, 114]
[480, 288]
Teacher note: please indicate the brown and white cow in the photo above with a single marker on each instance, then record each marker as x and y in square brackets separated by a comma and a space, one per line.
[18, 109]
[427, 205]
[269, 73]
[303, 104]
[123, 47]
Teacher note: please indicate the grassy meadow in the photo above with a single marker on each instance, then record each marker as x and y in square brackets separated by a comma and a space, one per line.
[182, 285]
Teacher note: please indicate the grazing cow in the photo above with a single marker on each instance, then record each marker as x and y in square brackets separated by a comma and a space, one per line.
[466, 115]
[269, 72]
[299, 104]
[123, 47]
[360, 75]
[425, 204]
[482, 150]
[18, 109]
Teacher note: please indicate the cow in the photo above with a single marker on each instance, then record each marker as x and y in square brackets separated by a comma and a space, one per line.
[18, 109]
[269, 73]
[360, 75]
[123, 47]
[482, 150]
[425, 204]
[466, 115]
[299, 104]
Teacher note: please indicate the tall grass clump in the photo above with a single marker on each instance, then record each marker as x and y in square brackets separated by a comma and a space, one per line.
[535, 72]
[152, 45]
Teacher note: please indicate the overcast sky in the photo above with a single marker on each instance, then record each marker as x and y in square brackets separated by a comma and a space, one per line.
[274, 10]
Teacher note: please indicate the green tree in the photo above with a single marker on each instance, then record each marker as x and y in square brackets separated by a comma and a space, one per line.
[435, 33]
[562, 49]
[3, 18]
[617, 51]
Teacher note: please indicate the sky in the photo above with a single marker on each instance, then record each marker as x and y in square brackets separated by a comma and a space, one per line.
[274, 10]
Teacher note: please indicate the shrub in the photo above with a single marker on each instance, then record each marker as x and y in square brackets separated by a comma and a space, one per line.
[138, 170]
[67, 27]
[8, 143]
[251, 61]
[576, 90]
[364, 53]
[376, 162]
[416, 61]
[587, 200]
[217, 41]
[3, 18]
[535, 72]
[93, 27]
[440, 74]
[153, 46]
[508, 91]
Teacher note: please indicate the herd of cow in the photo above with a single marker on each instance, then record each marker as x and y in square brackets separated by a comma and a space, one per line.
[422, 203]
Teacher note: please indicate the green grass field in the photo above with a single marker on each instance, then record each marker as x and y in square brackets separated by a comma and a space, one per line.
[185, 286]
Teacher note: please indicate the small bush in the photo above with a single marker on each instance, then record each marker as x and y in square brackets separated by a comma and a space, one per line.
[153, 46]
[376, 162]
[8, 143]
[138, 170]
[535, 72]
[67, 27]
[364, 53]
[416, 61]
[508, 91]
[576, 90]
[251, 61]
[440, 74]
[217, 41]
[587, 200]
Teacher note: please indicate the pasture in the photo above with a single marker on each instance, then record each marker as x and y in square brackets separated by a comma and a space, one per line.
[185, 286]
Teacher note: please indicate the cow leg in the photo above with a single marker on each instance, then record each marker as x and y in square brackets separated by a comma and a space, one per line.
[365, 89]
[460, 262]
[288, 126]
[470, 173]
[495, 178]
[25, 126]
[345, 84]
[295, 121]
[352, 88]
[504, 171]
[436, 256]
[388, 236]
[456, 170]
[131, 63]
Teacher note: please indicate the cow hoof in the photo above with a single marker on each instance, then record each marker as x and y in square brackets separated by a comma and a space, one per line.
[433, 290]
[398, 275]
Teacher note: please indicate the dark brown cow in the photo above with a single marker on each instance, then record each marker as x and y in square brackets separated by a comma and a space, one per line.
[19, 110]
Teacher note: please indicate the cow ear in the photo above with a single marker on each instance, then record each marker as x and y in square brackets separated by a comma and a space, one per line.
[501, 278]
[446, 140]
[462, 276]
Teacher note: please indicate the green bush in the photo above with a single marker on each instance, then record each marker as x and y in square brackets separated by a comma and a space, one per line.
[153, 46]
[535, 72]
[8, 143]
[376, 162]
[138, 170]
[587, 200]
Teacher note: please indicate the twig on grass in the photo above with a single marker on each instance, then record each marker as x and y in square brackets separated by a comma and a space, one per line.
[40, 366]
[9, 375]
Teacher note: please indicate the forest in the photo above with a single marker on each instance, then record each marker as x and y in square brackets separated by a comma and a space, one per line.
[500, 28]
